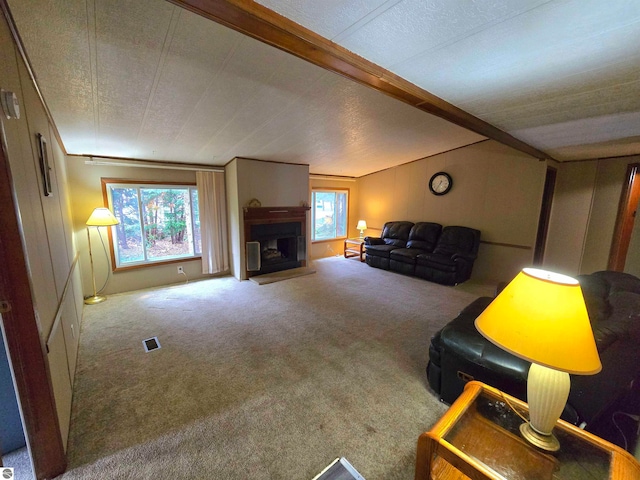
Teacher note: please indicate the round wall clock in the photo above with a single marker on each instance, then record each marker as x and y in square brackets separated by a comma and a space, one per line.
[440, 183]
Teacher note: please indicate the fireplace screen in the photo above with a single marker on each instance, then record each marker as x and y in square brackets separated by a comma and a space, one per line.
[278, 245]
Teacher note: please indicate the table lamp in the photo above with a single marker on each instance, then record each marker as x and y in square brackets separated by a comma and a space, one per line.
[101, 217]
[362, 226]
[541, 317]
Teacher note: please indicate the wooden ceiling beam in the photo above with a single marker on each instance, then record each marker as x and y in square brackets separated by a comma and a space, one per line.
[257, 21]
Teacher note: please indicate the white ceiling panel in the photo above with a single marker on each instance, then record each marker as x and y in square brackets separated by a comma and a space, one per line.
[196, 54]
[330, 18]
[516, 65]
[128, 52]
[555, 40]
[415, 27]
[165, 84]
[146, 79]
[614, 148]
[586, 131]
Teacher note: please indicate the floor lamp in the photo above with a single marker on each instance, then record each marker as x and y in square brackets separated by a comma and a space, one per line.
[101, 217]
[541, 317]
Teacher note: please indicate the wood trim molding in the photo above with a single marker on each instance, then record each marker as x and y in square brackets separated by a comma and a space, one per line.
[25, 347]
[545, 215]
[63, 297]
[269, 27]
[629, 198]
[101, 160]
[509, 245]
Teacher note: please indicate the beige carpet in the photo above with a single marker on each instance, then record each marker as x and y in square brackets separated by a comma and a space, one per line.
[259, 382]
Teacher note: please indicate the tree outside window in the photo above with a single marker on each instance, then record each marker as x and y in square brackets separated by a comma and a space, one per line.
[329, 212]
[157, 223]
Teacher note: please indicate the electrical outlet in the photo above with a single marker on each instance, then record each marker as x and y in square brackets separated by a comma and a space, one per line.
[180, 270]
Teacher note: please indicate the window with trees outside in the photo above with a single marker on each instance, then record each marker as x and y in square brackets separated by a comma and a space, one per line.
[158, 223]
[329, 214]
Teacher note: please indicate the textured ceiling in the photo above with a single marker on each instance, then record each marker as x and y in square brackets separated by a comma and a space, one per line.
[149, 80]
[559, 75]
[146, 79]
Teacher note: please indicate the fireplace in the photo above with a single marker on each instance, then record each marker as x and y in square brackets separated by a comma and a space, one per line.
[275, 238]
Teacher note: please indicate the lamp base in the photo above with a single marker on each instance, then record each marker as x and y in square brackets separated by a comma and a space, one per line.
[95, 299]
[545, 442]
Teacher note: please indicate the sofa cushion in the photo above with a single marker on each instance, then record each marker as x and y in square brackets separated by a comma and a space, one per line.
[424, 236]
[380, 250]
[377, 262]
[422, 239]
[455, 239]
[624, 321]
[595, 290]
[402, 267]
[441, 262]
[396, 233]
[619, 281]
[405, 255]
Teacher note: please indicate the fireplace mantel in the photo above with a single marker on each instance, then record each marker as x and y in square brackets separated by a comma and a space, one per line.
[253, 215]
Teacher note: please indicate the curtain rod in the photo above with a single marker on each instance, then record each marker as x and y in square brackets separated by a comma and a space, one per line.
[331, 177]
[173, 166]
[150, 164]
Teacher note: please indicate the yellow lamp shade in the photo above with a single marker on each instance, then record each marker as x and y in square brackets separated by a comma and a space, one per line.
[362, 225]
[541, 317]
[102, 217]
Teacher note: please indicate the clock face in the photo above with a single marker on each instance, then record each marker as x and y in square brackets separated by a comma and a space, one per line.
[440, 183]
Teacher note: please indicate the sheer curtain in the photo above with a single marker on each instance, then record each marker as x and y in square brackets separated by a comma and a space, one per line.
[213, 221]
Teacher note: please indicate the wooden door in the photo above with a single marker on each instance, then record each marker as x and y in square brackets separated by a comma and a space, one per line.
[625, 219]
[545, 215]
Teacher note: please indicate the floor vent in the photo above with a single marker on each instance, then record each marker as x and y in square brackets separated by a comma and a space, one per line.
[151, 344]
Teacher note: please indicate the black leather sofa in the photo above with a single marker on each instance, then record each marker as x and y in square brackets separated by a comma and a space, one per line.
[459, 353]
[378, 249]
[425, 249]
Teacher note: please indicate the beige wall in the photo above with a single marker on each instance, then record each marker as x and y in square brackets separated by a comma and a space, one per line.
[273, 184]
[86, 194]
[572, 201]
[46, 227]
[496, 189]
[336, 247]
[610, 178]
[234, 219]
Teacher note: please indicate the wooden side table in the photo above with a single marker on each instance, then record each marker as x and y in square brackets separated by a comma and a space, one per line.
[478, 438]
[354, 247]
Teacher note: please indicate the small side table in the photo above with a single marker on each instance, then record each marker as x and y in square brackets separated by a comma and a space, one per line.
[354, 247]
[478, 438]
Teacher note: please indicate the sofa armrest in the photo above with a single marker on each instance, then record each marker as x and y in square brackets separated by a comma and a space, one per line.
[373, 241]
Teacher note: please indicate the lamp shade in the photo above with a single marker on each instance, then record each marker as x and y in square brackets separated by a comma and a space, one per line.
[362, 225]
[541, 317]
[102, 217]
